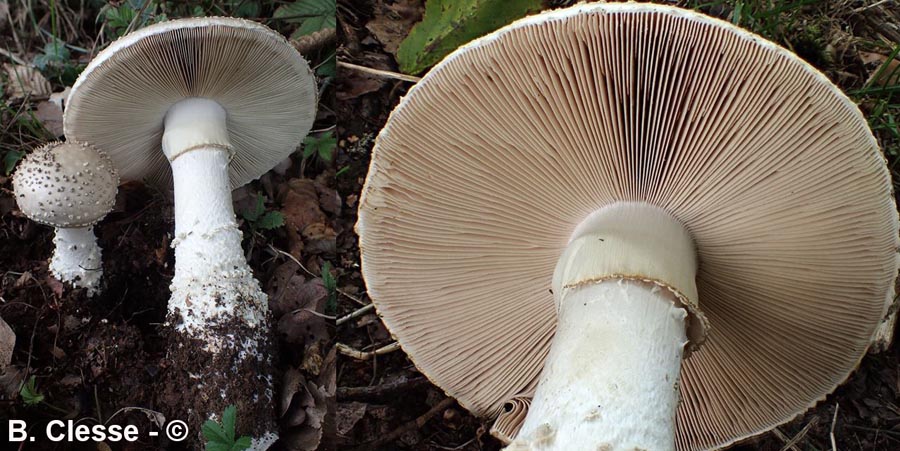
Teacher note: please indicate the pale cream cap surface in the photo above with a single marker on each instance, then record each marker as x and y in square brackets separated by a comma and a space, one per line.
[491, 161]
[267, 89]
[66, 184]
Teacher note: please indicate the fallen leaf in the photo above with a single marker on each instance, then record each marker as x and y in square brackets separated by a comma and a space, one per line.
[24, 81]
[354, 84]
[348, 414]
[881, 71]
[51, 116]
[393, 21]
[7, 344]
[289, 290]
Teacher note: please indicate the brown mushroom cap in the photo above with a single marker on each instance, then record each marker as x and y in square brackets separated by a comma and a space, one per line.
[491, 161]
[267, 89]
[66, 184]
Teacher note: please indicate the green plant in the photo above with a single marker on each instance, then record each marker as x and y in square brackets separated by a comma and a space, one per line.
[331, 288]
[322, 146]
[10, 160]
[29, 393]
[447, 24]
[309, 15]
[259, 218]
[221, 436]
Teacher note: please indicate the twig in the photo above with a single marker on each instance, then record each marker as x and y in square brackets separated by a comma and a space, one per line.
[376, 392]
[359, 312]
[873, 5]
[415, 424]
[379, 72]
[833, 422]
[13, 57]
[361, 355]
[790, 444]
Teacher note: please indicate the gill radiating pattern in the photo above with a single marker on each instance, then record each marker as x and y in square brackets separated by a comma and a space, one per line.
[120, 101]
[490, 162]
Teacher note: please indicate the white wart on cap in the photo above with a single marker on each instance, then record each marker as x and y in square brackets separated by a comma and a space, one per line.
[70, 186]
[635, 152]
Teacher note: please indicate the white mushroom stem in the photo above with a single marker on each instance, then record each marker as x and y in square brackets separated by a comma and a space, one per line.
[77, 258]
[216, 302]
[610, 380]
[212, 282]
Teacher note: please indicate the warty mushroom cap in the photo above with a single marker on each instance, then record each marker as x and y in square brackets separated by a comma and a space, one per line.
[66, 184]
[488, 165]
[120, 101]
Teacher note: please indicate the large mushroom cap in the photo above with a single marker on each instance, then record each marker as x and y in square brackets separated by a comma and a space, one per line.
[66, 184]
[267, 89]
[490, 162]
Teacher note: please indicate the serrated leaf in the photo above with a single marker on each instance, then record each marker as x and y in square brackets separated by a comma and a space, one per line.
[242, 443]
[322, 145]
[449, 24]
[311, 15]
[30, 395]
[270, 220]
[216, 446]
[229, 417]
[214, 434]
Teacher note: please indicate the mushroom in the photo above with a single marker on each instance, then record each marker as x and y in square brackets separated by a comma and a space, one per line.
[560, 211]
[209, 104]
[7, 345]
[70, 186]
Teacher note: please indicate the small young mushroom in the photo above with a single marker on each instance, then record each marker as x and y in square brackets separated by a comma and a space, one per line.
[70, 186]
[208, 104]
[565, 208]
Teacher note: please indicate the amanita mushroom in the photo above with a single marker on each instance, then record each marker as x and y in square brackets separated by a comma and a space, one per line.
[70, 186]
[558, 208]
[220, 101]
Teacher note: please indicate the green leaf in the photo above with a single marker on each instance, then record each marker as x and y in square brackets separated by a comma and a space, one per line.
[10, 160]
[55, 54]
[323, 146]
[327, 68]
[270, 220]
[244, 8]
[311, 15]
[330, 287]
[241, 444]
[258, 210]
[450, 23]
[229, 417]
[214, 434]
[30, 395]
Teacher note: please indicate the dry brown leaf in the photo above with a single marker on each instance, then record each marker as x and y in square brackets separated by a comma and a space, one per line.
[51, 116]
[289, 290]
[302, 439]
[300, 204]
[875, 63]
[393, 21]
[7, 344]
[24, 81]
[354, 84]
[348, 414]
